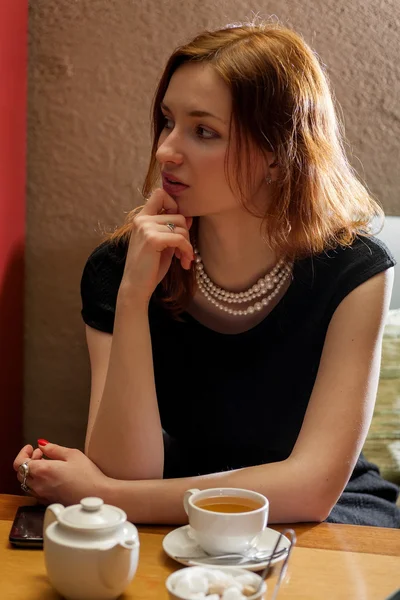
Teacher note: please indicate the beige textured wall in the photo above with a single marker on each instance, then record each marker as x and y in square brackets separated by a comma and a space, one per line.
[92, 71]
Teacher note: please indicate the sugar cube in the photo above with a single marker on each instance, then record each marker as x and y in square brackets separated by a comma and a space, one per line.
[232, 593]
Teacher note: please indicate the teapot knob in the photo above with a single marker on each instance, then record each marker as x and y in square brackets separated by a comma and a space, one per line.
[91, 504]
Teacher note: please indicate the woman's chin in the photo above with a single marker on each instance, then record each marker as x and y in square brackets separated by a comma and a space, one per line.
[184, 210]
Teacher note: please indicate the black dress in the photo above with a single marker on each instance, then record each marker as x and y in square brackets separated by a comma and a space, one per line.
[235, 400]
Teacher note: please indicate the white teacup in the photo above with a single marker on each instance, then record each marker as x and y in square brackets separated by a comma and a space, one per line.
[224, 532]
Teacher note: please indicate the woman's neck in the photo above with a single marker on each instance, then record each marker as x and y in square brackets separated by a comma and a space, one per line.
[233, 252]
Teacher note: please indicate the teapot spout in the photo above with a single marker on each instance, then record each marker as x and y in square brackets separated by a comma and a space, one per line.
[118, 564]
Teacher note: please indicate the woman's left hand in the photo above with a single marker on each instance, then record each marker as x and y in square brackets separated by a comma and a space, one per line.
[67, 478]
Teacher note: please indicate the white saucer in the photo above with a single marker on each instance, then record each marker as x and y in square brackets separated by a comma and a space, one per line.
[180, 542]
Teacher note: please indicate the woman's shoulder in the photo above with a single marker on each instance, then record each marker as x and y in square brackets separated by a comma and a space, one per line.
[365, 249]
[108, 254]
[333, 274]
[105, 266]
[101, 278]
[365, 255]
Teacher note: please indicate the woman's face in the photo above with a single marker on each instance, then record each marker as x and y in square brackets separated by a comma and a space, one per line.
[194, 142]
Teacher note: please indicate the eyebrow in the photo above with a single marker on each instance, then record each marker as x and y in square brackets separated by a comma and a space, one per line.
[194, 113]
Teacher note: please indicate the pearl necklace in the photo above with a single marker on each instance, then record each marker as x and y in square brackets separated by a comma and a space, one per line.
[267, 286]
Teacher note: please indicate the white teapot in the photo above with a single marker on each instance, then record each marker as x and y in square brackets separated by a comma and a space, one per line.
[91, 551]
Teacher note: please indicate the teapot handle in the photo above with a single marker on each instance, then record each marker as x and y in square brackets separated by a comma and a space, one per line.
[52, 513]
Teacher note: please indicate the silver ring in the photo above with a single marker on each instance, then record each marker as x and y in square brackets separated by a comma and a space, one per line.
[171, 226]
[24, 471]
[24, 468]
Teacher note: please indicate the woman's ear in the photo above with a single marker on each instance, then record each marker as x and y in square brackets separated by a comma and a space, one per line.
[271, 167]
[271, 161]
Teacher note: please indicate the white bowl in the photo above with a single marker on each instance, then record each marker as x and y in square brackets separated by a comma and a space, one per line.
[173, 578]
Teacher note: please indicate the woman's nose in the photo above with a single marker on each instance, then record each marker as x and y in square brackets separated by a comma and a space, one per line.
[169, 151]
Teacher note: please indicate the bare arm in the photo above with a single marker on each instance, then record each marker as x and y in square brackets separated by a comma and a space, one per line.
[124, 435]
[306, 486]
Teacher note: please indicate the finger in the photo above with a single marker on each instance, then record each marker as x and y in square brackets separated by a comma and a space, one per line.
[55, 451]
[23, 455]
[177, 231]
[178, 253]
[159, 201]
[30, 483]
[186, 259]
[28, 480]
[32, 464]
[178, 220]
[176, 242]
[37, 454]
[173, 240]
[42, 470]
[20, 477]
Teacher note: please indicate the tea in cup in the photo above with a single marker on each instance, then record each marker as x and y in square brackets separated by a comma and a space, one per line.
[225, 520]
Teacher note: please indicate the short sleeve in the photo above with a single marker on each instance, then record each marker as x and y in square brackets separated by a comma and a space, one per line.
[100, 283]
[367, 257]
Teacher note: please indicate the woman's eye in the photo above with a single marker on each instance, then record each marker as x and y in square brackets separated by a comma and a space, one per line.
[201, 132]
[205, 134]
[168, 123]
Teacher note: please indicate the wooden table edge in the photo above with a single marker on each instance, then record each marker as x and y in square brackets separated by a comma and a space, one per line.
[321, 536]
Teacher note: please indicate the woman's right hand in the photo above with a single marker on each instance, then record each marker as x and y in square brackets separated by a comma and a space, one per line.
[152, 245]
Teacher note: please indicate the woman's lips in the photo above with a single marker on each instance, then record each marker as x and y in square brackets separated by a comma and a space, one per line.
[173, 189]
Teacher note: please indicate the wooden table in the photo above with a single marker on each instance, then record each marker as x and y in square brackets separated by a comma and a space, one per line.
[330, 562]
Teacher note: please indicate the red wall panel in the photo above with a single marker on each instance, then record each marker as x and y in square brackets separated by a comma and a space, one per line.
[13, 88]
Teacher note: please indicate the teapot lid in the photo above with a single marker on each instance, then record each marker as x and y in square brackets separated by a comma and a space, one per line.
[92, 513]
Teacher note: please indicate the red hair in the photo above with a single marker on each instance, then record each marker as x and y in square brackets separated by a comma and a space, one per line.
[281, 103]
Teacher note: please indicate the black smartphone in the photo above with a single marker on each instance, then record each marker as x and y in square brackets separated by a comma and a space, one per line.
[27, 529]
[394, 596]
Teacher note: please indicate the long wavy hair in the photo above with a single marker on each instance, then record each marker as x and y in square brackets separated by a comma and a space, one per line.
[281, 103]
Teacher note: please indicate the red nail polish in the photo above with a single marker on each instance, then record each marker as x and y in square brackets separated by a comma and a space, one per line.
[42, 442]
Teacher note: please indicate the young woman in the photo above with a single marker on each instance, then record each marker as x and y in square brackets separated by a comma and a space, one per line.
[234, 323]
